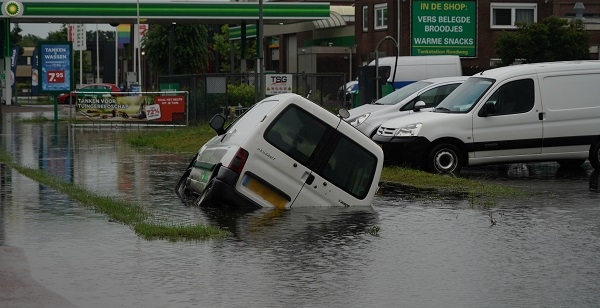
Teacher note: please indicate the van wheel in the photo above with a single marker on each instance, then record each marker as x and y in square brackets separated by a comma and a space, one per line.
[571, 163]
[206, 196]
[181, 188]
[595, 155]
[444, 158]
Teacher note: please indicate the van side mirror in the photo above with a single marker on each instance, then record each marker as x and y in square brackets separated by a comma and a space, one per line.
[343, 113]
[217, 122]
[419, 105]
[488, 109]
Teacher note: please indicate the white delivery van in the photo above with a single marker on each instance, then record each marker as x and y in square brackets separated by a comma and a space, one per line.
[409, 69]
[520, 113]
[284, 152]
[367, 118]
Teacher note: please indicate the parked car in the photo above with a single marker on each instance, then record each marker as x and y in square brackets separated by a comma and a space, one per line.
[519, 113]
[68, 98]
[284, 152]
[367, 118]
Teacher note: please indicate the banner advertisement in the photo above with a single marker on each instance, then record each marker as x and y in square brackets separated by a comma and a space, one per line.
[34, 72]
[147, 107]
[14, 56]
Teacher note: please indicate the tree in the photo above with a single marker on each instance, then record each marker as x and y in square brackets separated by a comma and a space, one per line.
[30, 40]
[191, 52]
[552, 39]
[222, 45]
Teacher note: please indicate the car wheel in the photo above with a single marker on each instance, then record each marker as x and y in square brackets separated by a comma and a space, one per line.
[444, 158]
[181, 187]
[206, 196]
[570, 163]
[595, 155]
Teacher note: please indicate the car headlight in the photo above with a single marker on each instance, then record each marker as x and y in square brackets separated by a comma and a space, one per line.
[356, 122]
[409, 130]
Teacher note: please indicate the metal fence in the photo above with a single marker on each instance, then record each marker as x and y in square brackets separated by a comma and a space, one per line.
[215, 93]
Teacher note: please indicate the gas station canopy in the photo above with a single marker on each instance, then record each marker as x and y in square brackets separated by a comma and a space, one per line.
[161, 11]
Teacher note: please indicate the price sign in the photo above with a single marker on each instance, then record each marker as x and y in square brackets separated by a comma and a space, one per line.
[55, 76]
[153, 112]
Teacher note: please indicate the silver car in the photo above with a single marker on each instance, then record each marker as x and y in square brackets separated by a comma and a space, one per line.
[367, 118]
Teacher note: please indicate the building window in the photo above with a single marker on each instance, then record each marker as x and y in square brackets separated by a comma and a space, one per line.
[506, 15]
[381, 16]
[365, 18]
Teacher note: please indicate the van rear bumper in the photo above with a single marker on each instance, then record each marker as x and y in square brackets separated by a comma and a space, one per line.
[224, 190]
[402, 150]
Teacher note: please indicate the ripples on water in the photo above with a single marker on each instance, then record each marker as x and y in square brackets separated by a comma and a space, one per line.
[428, 252]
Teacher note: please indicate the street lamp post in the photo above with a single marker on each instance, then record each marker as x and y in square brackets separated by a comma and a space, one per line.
[137, 38]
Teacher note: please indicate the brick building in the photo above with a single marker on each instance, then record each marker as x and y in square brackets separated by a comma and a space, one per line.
[469, 28]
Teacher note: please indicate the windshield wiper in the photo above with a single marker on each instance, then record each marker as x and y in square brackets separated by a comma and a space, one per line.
[443, 109]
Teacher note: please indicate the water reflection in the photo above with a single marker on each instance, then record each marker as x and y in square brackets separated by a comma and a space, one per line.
[438, 252]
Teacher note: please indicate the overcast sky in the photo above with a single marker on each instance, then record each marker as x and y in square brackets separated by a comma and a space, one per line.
[42, 30]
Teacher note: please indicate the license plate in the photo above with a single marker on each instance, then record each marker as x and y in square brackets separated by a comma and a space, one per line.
[265, 192]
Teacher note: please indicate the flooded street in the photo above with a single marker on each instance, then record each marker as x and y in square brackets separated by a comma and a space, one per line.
[407, 250]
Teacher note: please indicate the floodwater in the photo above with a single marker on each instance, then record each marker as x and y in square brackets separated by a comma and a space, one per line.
[442, 251]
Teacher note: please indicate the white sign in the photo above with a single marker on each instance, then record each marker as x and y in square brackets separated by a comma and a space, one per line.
[278, 83]
[153, 112]
[76, 34]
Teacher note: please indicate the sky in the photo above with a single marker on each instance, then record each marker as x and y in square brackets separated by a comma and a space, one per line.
[42, 30]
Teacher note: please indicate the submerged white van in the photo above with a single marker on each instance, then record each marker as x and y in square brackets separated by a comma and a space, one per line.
[284, 152]
[528, 112]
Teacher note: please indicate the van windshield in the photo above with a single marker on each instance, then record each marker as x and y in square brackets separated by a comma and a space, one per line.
[402, 93]
[465, 96]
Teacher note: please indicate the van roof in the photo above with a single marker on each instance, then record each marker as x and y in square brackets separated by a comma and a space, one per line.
[446, 79]
[531, 68]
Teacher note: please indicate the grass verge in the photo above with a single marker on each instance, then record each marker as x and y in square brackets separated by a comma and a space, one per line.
[127, 213]
[189, 140]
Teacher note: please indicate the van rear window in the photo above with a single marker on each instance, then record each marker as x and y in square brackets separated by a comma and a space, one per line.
[340, 160]
[297, 133]
[351, 168]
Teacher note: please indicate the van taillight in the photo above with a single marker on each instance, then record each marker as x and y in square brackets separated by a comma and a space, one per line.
[239, 160]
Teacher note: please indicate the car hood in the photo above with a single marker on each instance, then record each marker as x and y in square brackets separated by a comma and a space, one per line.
[415, 117]
[360, 110]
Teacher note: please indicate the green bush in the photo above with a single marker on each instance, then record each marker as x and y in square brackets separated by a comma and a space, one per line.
[242, 95]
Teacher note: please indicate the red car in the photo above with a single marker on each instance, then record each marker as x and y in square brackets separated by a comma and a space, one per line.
[67, 98]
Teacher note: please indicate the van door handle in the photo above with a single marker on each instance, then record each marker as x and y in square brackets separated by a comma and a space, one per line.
[309, 179]
[541, 115]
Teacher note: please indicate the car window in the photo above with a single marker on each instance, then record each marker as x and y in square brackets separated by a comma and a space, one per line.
[402, 93]
[465, 96]
[350, 167]
[513, 97]
[297, 133]
[432, 97]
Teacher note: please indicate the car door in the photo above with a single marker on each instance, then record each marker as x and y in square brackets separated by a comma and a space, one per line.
[346, 172]
[282, 160]
[511, 127]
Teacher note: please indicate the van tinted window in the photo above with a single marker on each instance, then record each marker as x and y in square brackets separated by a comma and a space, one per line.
[513, 97]
[297, 133]
[350, 167]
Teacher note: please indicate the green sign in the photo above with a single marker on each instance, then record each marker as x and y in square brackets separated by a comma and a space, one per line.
[444, 28]
[169, 87]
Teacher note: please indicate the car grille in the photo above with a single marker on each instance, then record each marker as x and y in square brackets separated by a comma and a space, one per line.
[386, 131]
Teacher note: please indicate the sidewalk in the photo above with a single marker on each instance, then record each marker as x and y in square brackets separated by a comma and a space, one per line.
[18, 289]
